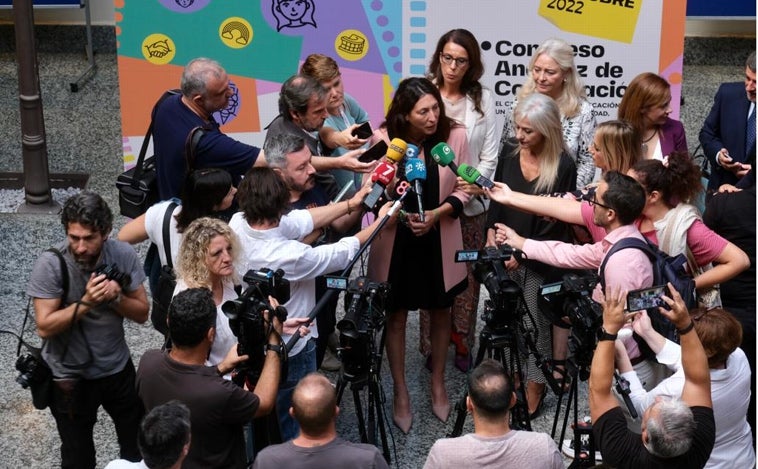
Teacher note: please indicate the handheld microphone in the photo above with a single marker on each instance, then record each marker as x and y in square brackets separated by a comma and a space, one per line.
[415, 173]
[381, 177]
[396, 150]
[443, 155]
[472, 176]
[411, 151]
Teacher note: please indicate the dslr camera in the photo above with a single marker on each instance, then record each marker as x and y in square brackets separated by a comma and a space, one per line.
[502, 307]
[111, 272]
[34, 373]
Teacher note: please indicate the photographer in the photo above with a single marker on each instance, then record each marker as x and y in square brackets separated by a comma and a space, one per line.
[218, 407]
[676, 432]
[269, 240]
[84, 332]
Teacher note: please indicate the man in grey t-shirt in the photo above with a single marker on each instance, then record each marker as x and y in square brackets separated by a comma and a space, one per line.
[84, 330]
[493, 443]
[314, 406]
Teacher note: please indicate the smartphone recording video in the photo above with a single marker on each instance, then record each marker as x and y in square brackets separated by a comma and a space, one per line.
[645, 298]
[364, 131]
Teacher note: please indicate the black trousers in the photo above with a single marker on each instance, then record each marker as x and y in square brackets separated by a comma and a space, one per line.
[75, 404]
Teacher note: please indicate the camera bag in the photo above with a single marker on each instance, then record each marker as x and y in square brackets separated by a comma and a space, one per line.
[166, 279]
[138, 186]
[42, 384]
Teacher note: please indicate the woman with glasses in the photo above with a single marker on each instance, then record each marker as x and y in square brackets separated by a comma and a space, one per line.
[646, 105]
[456, 69]
[536, 162]
[720, 334]
[552, 72]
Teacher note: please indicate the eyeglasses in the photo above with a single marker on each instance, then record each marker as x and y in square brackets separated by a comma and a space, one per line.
[448, 59]
[592, 200]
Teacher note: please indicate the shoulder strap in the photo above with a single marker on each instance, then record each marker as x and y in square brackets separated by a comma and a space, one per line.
[191, 143]
[167, 232]
[64, 274]
[143, 150]
[626, 243]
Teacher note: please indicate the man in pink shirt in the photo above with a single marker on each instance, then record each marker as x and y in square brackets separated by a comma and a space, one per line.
[617, 202]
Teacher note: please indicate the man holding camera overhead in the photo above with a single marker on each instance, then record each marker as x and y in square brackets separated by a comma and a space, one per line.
[80, 315]
[269, 239]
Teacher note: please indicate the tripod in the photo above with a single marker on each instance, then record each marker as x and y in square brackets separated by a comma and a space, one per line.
[355, 372]
[493, 342]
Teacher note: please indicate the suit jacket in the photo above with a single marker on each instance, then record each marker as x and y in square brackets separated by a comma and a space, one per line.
[725, 127]
[672, 137]
[453, 273]
[483, 138]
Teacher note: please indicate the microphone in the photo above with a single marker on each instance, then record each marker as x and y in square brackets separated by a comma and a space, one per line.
[415, 173]
[443, 155]
[472, 176]
[411, 151]
[396, 150]
[381, 177]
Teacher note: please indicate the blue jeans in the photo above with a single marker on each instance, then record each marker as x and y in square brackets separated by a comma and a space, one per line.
[297, 367]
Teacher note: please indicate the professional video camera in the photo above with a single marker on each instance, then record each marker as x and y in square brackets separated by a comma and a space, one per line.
[364, 314]
[572, 299]
[245, 313]
[502, 307]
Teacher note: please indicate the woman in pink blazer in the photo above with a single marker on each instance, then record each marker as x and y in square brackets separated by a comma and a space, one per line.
[417, 257]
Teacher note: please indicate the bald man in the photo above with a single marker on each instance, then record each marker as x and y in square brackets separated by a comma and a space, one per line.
[314, 406]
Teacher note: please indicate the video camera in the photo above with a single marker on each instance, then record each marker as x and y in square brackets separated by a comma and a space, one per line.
[364, 314]
[572, 299]
[245, 313]
[490, 272]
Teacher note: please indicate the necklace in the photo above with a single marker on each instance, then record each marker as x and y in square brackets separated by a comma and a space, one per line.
[651, 137]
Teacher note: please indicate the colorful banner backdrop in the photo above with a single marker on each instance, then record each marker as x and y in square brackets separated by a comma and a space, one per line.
[376, 43]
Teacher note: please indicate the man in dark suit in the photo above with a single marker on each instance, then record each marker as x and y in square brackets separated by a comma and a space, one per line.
[728, 134]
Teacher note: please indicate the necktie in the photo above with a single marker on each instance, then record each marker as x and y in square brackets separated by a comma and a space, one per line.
[750, 134]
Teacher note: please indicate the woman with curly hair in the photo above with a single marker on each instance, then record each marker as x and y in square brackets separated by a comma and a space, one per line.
[552, 72]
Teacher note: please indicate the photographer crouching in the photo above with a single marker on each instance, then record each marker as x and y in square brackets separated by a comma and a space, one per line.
[82, 292]
[269, 234]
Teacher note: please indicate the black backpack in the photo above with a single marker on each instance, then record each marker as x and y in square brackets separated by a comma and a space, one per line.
[166, 280]
[665, 269]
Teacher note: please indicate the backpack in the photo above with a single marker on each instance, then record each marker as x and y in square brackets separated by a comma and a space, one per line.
[665, 269]
[166, 279]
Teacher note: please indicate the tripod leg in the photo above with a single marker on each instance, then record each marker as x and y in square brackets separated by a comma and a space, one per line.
[359, 414]
[520, 412]
[374, 382]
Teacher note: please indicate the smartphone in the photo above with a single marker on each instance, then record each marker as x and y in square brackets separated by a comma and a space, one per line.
[364, 131]
[374, 153]
[645, 298]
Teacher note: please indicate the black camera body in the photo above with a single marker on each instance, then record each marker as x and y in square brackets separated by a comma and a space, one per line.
[111, 272]
[364, 313]
[36, 375]
[245, 313]
[572, 299]
[504, 292]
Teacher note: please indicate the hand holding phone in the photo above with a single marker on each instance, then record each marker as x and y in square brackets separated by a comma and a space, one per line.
[374, 153]
[645, 298]
[363, 131]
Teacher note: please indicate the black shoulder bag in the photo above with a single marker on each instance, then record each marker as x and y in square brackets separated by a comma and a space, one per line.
[166, 280]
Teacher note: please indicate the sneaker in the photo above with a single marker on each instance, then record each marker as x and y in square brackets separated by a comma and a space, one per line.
[330, 362]
[568, 450]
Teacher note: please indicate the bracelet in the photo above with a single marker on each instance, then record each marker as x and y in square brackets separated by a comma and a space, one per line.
[605, 335]
[274, 348]
[686, 329]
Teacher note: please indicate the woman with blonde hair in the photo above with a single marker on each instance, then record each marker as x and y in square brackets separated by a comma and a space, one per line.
[646, 105]
[536, 162]
[552, 72]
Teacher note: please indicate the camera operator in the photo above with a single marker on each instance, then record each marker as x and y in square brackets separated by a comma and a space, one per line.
[676, 432]
[616, 204]
[269, 240]
[218, 407]
[84, 332]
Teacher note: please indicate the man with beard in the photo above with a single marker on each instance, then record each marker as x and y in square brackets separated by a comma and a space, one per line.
[288, 155]
[302, 112]
[80, 314]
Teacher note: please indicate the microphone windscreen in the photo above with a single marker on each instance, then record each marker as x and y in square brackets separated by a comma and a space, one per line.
[415, 169]
[468, 173]
[443, 154]
[383, 173]
[396, 150]
[411, 151]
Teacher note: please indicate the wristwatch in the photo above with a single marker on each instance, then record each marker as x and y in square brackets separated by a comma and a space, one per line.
[274, 347]
[605, 335]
